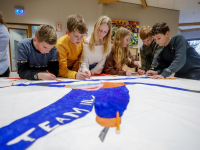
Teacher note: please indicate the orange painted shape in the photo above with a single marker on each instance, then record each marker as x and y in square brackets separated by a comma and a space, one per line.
[112, 84]
[169, 78]
[12, 80]
[105, 122]
[134, 73]
[111, 75]
[117, 116]
[67, 86]
[90, 78]
[57, 80]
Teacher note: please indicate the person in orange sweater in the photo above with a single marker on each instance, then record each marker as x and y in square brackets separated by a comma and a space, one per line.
[70, 48]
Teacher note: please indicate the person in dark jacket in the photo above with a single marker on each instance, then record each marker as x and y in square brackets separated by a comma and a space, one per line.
[149, 51]
[37, 56]
[176, 57]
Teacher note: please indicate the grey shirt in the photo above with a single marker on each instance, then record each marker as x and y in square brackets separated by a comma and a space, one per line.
[4, 39]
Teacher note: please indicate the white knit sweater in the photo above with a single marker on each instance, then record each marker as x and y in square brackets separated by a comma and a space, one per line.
[90, 58]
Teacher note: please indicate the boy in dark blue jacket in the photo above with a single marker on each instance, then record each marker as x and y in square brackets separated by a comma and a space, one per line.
[37, 55]
[176, 57]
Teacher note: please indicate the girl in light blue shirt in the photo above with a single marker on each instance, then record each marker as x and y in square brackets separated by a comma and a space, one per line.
[4, 39]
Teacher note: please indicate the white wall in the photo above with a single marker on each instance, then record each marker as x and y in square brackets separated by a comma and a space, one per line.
[149, 16]
[51, 11]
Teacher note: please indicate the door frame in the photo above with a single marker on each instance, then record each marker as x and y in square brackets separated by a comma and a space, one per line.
[10, 47]
[26, 24]
[29, 35]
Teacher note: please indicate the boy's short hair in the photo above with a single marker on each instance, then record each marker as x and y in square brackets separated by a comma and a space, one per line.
[160, 27]
[46, 33]
[76, 23]
[145, 32]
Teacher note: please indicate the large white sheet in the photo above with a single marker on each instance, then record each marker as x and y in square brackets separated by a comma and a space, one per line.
[156, 118]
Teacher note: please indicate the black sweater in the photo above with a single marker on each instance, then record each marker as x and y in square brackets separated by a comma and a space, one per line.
[178, 57]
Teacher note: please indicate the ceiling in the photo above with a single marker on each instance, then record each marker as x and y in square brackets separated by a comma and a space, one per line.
[189, 9]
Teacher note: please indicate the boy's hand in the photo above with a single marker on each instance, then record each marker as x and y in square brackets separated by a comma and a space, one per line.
[88, 73]
[128, 73]
[81, 76]
[152, 73]
[157, 77]
[46, 76]
[137, 63]
[141, 72]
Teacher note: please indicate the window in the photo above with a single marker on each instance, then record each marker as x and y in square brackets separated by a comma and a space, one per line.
[196, 44]
[33, 30]
[18, 32]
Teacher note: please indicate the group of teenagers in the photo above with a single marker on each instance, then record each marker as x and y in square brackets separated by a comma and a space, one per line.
[72, 56]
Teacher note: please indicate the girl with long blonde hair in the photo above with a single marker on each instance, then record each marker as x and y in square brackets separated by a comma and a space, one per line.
[120, 54]
[97, 47]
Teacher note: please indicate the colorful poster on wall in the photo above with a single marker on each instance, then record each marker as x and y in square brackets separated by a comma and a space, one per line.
[133, 26]
[58, 27]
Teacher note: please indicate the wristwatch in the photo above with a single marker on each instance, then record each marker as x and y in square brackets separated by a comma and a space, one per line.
[36, 76]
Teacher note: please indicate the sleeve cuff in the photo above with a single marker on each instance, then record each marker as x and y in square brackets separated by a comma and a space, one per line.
[123, 73]
[166, 72]
[70, 75]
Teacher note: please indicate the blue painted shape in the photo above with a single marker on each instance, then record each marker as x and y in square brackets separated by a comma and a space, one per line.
[42, 83]
[55, 85]
[164, 86]
[49, 113]
[82, 84]
[109, 101]
[121, 79]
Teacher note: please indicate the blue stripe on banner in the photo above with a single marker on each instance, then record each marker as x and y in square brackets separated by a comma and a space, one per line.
[164, 86]
[23, 132]
[121, 79]
[44, 83]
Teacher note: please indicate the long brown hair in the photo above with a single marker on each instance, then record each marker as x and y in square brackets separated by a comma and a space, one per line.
[121, 54]
[106, 39]
[1, 19]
